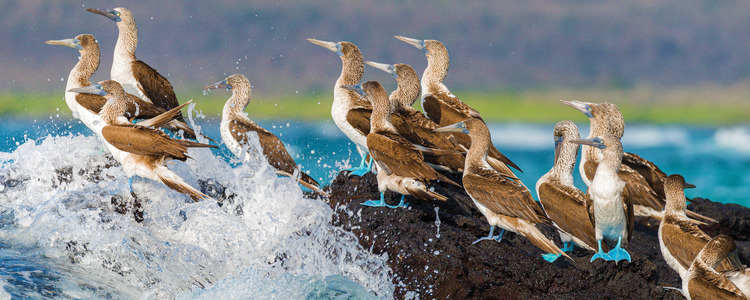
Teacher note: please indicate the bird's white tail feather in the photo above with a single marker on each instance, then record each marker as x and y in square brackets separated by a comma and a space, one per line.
[173, 181]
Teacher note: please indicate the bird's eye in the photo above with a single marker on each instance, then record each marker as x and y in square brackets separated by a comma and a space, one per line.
[117, 14]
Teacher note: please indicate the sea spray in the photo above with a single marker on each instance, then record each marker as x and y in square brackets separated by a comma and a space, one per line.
[264, 233]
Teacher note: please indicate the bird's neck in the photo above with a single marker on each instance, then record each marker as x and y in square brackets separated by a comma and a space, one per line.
[565, 164]
[235, 106]
[380, 119]
[476, 157]
[352, 69]
[114, 108]
[87, 65]
[127, 41]
[434, 74]
[676, 205]
[406, 93]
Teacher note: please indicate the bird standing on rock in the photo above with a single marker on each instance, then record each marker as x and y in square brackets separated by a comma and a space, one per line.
[236, 127]
[349, 111]
[567, 206]
[613, 215]
[503, 201]
[606, 118]
[400, 165]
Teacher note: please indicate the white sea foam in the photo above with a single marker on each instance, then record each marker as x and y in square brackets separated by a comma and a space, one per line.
[56, 205]
[648, 136]
[522, 136]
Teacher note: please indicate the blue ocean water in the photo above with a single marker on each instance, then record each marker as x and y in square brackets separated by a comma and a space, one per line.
[59, 236]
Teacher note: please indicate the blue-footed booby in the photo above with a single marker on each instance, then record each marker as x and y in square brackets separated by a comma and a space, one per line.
[613, 214]
[504, 202]
[402, 99]
[141, 149]
[399, 164]
[86, 107]
[135, 76]
[235, 127]
[349, 111]
[606, 118]
[441, 106]
[567, 206]
[703, 281]
[680, 239]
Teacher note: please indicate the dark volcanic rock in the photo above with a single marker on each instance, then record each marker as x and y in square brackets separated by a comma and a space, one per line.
[434, 258]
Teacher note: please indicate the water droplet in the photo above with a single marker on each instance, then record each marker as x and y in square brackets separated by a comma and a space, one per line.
[205, 92]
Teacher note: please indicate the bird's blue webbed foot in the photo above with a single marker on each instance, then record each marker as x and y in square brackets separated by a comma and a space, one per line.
[618, 254]
[490, 236]
[601, 253]
[550, 257]
[567, 247]
[381, 202]
[363, 168]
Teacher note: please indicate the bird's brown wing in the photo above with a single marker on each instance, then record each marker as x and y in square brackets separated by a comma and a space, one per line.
[143, 141]
[155, 86]
[405, 130]
[92, 102]
[638, 189]
[502, 195]
[589, 168]
[359, 118]
[566, 206]
[395, 155]
[273, 148]
[140, 109]
[683, 239]
[653, 175]
[441, 112]
[709, 285]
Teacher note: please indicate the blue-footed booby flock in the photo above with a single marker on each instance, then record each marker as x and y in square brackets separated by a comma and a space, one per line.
[141, 149]
[135, 76]
[420, 154]
[503, 201]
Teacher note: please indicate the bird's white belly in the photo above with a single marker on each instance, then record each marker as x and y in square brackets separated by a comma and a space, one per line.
[339, 110]
[609, 213]
[128, 82]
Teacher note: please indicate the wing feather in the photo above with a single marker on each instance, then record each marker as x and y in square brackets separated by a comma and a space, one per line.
[566, 206]
[502, 195]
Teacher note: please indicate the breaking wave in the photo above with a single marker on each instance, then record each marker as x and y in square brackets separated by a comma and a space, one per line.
[65, 220]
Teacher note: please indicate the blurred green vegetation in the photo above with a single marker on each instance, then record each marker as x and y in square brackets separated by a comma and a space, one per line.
[681, 106]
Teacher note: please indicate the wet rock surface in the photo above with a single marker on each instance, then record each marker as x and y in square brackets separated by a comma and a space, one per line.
[429, 247]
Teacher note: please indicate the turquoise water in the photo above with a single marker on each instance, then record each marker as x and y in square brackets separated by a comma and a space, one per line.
[715, 159]
[59, 236]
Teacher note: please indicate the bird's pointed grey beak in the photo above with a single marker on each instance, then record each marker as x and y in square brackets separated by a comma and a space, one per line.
[689, 185]
[419, 44]
[355, 88]
[734, 260]
[96, 89]
[70, 43]
[593, 142]
[558, 145]
[218, 85]
[390, 69]
[458, 127]
[584, 107]
[109, 13]
[333, 46]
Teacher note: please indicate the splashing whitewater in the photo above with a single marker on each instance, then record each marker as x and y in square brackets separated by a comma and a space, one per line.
[260, 235]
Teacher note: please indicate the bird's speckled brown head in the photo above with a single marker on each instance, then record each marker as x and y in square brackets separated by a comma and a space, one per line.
[88, 42]
[565, 132]
[716, 250]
